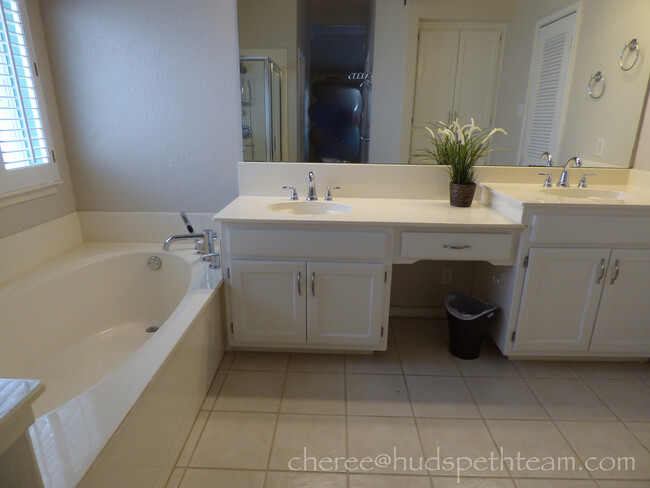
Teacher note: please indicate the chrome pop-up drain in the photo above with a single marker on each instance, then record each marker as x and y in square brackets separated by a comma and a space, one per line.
[154, 262]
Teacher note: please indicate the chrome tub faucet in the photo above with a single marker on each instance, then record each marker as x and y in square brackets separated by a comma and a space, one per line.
[203, 243]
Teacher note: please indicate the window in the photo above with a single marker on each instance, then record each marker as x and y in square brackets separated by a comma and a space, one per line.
[26, 156]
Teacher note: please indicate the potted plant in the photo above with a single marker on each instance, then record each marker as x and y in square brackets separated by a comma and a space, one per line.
[459, 148]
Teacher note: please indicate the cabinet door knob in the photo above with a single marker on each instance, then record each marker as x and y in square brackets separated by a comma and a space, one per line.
[616, 271]
[602, 271]
[313, 289]
[298, 285]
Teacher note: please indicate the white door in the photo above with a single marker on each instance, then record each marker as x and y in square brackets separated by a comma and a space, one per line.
[435, 80]
[560, 297]
[479, 56]
[435, 76]
[623, 322]
[547, 87]
[268, 302]
[345, 304]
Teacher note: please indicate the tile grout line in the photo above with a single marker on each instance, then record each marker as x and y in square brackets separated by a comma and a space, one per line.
[484, 420]
[573, 449]
[621, 421]
[345, 410]
[415, 420]
[194, 423]
[277, 421]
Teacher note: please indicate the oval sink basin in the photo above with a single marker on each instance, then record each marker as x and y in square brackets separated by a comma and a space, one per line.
[309, 208]
[587, 193]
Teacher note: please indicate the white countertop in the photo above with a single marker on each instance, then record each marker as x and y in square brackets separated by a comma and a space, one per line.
[373, 211]
[523, 194]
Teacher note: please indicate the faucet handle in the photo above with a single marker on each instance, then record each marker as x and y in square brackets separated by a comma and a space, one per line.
[583, 180]
[547, 183]
[294, 193]
[186, 221]
[328, 194]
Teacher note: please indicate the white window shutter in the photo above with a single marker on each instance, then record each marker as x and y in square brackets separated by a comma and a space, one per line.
[547, 89]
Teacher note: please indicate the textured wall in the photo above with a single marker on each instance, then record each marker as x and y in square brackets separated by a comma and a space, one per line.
[149, 97]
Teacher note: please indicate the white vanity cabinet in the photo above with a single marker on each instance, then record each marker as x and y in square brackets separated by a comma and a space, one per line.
[584, 300]
[560, 297]
[623, 320]
[313, 289]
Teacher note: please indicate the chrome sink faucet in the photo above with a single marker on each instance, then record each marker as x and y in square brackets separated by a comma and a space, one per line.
[311, 194]
[549, 159]
[564, 177]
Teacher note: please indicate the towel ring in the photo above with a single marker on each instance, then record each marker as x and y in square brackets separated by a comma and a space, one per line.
[633, 45]
[595, 79]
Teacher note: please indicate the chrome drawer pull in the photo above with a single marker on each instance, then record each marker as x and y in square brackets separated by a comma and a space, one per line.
[299, 292]
[616, 271]
[602, 271]
[451, 246]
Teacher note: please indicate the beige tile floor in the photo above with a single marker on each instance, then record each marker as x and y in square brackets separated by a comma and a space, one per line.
[417, 402]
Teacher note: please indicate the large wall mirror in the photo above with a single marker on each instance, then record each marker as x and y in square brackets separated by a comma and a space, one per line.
[356, 80]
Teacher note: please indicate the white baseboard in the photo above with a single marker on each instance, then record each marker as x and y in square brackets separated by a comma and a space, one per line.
[418, 312]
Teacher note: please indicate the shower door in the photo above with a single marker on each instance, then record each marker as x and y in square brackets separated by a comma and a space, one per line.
[261, 81]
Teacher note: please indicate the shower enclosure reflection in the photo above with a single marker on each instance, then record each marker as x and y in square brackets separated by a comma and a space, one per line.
[260, 80]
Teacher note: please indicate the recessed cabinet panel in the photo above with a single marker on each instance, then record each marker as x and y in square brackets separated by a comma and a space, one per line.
[623, 322]
[268, 302]
[345, 303]
[560, 299]
[568, 229]
[294, 244]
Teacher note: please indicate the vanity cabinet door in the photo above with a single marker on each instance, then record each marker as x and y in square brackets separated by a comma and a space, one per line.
[560, 297]
[345, 304]
[268, 302]
[623, 322]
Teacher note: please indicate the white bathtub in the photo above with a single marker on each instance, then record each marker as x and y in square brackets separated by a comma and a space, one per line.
[79, 324]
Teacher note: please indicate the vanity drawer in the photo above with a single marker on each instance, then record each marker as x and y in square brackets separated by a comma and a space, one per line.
[247, 243]
[458, 246]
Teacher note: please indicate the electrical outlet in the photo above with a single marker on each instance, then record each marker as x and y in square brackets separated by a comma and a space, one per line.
[497, 276]
[447, 276]
[600, 146]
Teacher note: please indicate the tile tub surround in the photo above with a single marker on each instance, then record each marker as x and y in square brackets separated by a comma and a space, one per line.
[272, 404]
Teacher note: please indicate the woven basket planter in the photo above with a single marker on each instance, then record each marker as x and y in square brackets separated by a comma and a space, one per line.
[461, 195]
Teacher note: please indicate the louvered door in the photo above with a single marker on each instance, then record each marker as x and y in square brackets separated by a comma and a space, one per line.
[547, 89]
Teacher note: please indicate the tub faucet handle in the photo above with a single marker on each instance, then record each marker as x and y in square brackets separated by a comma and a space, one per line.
[186, 221]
